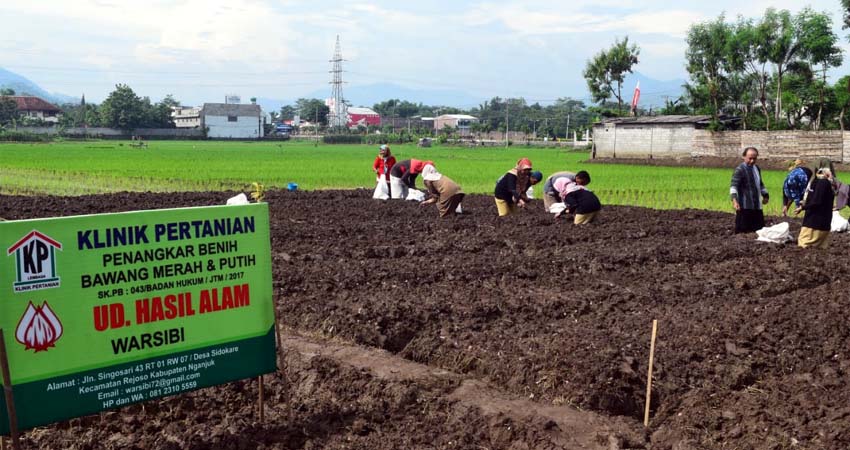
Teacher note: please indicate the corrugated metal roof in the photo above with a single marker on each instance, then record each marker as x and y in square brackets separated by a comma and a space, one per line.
[457, 116]
[657, 119]
[363, 111]
[229, 109]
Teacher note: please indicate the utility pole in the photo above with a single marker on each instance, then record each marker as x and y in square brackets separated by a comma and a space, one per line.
[316, 127]
[507, 124]
[338, 111]
[567, 136]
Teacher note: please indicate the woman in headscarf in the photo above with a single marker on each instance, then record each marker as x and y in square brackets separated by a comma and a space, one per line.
[512, 186]
[794, 186]
[442, 190]
[383, 164]
[818, 206]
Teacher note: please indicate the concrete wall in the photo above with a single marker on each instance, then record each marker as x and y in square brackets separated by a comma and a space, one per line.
[245, 127]
[681, 140]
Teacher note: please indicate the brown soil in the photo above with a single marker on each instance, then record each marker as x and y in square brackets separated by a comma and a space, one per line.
[407, 331]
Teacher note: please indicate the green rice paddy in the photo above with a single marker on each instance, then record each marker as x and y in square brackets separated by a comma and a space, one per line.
[77, 168]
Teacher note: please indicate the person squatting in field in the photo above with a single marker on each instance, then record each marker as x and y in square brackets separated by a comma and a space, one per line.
[579, 200]
[818, 206]
[442, 190]
[382, 166]
[550, 194]
[403, 176]
[794, 186]
[511, 188]
[748, 193]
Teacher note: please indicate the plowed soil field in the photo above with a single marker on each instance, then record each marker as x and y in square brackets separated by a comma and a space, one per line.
[405, 331]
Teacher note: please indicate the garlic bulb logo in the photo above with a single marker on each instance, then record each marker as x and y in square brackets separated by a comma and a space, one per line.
[39, 328]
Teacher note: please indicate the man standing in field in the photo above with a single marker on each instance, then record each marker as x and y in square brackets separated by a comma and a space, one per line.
[748, 193]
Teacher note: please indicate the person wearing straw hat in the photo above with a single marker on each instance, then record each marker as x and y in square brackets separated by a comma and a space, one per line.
[511, 188]
[794, 186]
[442, 190]
[818, 206]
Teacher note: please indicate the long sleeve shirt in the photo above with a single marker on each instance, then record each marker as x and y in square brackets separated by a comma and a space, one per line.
[795, 184]
[747, 187]
[818, 205]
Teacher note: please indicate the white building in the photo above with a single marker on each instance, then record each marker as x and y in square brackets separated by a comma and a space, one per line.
[460, 122]
[36, 108]
[229, 121]
[186, 116]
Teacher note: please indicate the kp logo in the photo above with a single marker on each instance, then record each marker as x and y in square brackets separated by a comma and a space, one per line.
[39, 328]
[35, 262]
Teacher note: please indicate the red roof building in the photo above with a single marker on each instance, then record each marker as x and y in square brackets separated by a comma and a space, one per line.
[35, 107]
[362, 116]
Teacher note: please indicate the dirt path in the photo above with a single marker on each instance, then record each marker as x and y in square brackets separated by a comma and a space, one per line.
[566, 427]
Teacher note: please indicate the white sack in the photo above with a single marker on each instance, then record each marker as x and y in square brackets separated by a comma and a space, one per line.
[382, 191]
[839, 224]
[240, 199]
[415, 195]
[557, 208]
[459, 210]
[530, 192]
[778, 234]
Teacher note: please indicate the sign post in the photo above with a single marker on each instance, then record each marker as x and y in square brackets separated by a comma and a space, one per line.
[108, 310]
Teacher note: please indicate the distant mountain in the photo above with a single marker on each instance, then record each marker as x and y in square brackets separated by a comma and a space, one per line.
[23, 86]
[652, 91]
[653, 94]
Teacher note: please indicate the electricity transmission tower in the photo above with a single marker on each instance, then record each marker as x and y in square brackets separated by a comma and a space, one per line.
[338, 114]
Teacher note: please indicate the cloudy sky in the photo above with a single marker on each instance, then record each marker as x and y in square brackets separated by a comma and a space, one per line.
[200, 50]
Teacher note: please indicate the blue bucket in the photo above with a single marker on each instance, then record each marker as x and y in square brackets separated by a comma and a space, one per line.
[292, 187]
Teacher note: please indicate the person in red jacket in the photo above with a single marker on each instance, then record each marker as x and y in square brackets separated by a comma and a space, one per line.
[384, 162]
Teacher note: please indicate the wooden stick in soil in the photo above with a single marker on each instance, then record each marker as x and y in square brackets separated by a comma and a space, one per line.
[7, 388]
[260, 401]
[649, 375]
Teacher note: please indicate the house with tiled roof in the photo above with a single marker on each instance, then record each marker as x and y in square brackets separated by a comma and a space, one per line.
[36, 108]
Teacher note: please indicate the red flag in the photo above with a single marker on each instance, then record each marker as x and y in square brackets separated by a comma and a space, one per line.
[635, 98]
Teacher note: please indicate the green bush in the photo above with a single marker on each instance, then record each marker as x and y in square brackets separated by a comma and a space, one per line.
[22, 136]
[342, 139]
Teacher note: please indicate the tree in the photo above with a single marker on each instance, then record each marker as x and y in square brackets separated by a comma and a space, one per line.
[312, 108]
[8, 110]
[845, 5]
[820, 48]
[122, 109]
[288, 112]
[606, 71]
[7, 92]
[707, 60]
[746, 52]
[841, 92]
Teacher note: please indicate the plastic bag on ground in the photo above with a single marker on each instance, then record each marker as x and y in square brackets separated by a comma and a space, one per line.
[839, 224]
[240, 199]
[557, 208]
[778, 234]
[382, 191]
[459, 210]
[415, 195]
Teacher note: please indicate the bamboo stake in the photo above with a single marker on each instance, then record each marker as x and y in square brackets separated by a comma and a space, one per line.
[649, 375]
[260, 402]
[279, 349]
[7, 388]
